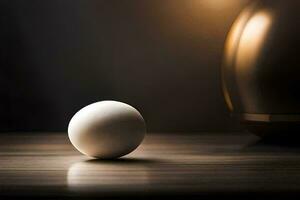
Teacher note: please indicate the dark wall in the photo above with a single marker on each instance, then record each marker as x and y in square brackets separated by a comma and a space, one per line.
[163, 57]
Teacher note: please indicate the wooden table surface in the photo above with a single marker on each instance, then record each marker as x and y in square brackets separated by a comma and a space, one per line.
[169, 164]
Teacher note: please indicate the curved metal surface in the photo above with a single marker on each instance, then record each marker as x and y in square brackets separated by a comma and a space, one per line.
[261, 72]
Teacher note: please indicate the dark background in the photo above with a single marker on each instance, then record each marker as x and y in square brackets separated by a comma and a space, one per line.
[161, 56]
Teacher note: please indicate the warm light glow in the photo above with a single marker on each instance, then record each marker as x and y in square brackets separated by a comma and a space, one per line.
[243, 46]
[252, 39]
[249, 48]
[234, 36]
[232, 43]
[218, 4]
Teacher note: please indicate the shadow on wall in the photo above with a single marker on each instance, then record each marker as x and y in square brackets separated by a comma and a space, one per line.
[163, 57]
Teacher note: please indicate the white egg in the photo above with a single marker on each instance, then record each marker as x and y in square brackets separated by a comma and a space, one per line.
[107, 129]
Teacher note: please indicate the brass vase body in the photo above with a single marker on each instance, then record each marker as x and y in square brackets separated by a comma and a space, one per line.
[261, 71]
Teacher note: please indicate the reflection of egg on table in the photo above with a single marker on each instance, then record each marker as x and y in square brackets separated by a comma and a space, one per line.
[107, 129]
[94, 176]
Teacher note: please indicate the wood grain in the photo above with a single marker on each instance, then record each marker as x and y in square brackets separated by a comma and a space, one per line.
[46, 164]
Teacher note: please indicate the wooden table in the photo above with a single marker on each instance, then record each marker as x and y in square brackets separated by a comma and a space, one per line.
[166, 164]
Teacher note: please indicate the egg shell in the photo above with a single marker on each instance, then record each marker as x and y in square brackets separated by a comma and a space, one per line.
[107, 129]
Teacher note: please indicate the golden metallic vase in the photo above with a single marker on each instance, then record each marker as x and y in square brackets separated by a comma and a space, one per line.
[261, 71]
